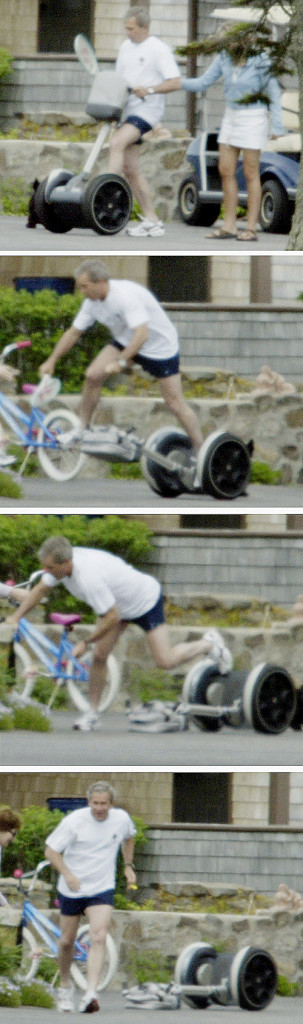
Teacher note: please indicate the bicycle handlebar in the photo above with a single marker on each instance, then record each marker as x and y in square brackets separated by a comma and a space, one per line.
[31, 874]
[11, 348]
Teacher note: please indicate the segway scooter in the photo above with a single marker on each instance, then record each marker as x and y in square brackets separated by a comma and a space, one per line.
[264, 698]
[168, 461]
[247, 979]
[63, 200]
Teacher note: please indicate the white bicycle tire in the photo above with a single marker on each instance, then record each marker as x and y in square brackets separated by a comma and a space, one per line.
[24, 664]
[110, 964]
[72, 460]
[29, 945]
[110, 690]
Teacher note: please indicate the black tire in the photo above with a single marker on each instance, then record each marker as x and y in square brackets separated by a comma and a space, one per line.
[192, 209]
[194, 691]
[193, 957]
[106, 204]
[276, 209]
[297, 721]
[269, 699]
[46, 215]
[224, 468]
[253, 978]
[166, 442]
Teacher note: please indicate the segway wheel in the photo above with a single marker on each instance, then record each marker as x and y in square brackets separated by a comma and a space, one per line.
[166, 442]
[194, 967]
[195, 687]
[46, 215]
[253, 978]
[269, 699]
[106, 204]
[223, 466]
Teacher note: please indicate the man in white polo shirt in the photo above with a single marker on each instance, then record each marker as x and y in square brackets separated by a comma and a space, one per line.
[84, 849]
[119, 594]
[150, 70]
[141, 332]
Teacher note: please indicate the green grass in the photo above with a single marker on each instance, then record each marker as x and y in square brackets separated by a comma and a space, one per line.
[9, 488]
[153, 685]
[32, 719]
[125, 471]
[14, 196]
[149, 965]
[262, 473]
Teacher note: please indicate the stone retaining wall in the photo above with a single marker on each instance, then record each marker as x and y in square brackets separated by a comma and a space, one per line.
[280, 933]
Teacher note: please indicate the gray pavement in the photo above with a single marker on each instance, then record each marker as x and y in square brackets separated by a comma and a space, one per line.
[113, 1009]
[102, 492]
[114, 745]
[179, 237]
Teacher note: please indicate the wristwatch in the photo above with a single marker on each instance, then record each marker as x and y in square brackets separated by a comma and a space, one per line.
[151, 90]
[122, 363]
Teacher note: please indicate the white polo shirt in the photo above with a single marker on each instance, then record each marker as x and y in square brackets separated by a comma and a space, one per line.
[142, 64]
[103, 580]
[129, 305]
[90, 848]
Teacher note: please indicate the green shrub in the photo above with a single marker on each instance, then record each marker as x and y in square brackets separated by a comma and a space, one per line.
[149, 965]
[6, 62]
[31, 718]
[9, 960]
[10, 994]
[286, 987]
[36, 993]
[14, 197]
[9, 488]
[262, 473]
[125, 471]
[28, 847]
[6, 722]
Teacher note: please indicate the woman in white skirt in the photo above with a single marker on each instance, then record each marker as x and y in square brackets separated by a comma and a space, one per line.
[245, 127]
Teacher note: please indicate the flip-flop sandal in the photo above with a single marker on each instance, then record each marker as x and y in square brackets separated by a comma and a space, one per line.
[247, 236]
[221, 233]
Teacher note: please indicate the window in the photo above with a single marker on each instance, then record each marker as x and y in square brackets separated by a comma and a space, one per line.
[202, 797]
[60, 23]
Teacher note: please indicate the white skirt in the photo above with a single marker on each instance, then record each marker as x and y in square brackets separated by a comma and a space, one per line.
[245, 129]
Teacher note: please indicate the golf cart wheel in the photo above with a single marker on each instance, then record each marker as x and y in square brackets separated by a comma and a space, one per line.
[276, 210]
[191, 207]
[191, 969]
[195, 687]
[223, 466]
[106, 204]
[269, 699]
[166, 442]
[45, 213]
[253, 978]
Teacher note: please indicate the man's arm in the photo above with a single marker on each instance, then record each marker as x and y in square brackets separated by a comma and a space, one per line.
[128, 855]
[57, 862]
[140, 335]
[169, 85]
[104, 624]
[30, 600]
[65, 343]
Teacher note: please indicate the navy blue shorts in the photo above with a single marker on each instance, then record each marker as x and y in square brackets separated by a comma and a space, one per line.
[73, 906]
[138, 122]
[159, 368]
[154, 617]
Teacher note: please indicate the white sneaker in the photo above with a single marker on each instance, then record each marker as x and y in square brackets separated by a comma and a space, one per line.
[87, 721]
[89, 1002]
[146, 227]
[65, 1001]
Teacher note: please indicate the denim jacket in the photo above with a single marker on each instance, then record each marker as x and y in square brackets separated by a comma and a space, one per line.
[242, 80]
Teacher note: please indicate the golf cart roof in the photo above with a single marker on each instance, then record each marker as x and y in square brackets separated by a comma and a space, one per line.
[276, 15]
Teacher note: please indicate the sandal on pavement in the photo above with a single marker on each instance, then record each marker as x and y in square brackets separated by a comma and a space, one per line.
[221, 233]
[247, 236]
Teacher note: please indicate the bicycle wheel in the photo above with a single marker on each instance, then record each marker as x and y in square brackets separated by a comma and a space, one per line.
[59, 463]
[29, 961]
[78, 688]
[79, 967]
[25, 670]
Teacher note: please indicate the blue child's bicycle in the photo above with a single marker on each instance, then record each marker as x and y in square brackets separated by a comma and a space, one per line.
[39, 938]
[40, 432]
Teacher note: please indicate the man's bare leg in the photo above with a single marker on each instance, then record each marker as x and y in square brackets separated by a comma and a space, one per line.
[69, 927]
[171, 388]
[99, 917]
[167, 656]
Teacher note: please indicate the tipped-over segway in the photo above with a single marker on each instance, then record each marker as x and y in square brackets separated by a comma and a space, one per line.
[263, 698]
[247, 979]
[64, 200]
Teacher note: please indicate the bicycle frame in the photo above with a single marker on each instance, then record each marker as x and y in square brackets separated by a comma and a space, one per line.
[26, 427]
[53, 657]
[48, 931]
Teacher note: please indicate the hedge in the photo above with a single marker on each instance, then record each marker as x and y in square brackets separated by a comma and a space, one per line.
[43, 316]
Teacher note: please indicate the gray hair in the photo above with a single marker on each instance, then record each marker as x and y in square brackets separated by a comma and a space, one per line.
[101, 787]
[58, 548]
[96, 270]
[141, 14]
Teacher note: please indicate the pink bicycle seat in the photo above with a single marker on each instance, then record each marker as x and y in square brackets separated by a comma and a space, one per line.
[64, 620]
[28, 389]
